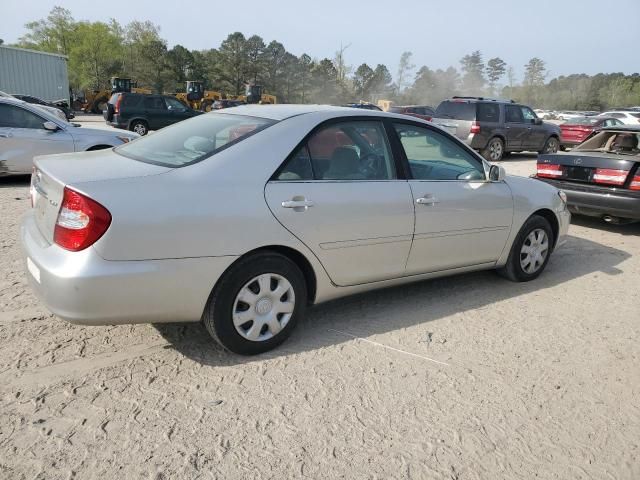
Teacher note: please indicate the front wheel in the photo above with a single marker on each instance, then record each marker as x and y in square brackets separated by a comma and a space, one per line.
[256, 304]
[494, 150]
[530, 251]
[552, 145]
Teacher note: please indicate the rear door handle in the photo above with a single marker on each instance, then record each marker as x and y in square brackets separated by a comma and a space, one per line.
[427, 200]
[298, 205]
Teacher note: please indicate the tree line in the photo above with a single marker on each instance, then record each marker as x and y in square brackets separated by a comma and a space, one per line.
[100, 50]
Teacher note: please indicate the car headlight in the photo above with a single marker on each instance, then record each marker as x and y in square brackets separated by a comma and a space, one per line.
[125, 139]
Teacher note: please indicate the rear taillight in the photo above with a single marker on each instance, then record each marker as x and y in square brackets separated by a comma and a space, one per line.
[635, 182]
[81, 221]
[609, 176]
[116, 108]
[475, 128]
[549, 170]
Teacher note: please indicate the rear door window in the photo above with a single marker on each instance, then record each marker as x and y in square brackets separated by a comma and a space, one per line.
[513, 114]
[488, 112]
[130, 101]
[154, 103]
[456, 110]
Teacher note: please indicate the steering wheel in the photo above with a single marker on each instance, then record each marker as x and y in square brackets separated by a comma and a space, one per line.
[370, 165]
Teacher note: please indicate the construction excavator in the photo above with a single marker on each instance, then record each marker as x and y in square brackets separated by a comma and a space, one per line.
[95, 101]
[197, 97]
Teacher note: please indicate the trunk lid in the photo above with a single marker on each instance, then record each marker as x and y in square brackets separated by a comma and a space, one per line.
[53, 172]
[589, 167]
[575, 132]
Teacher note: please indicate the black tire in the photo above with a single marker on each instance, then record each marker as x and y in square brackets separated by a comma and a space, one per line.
[217, 317]
[513, 269]
[140, 127]
[494, 150]
[552, 145]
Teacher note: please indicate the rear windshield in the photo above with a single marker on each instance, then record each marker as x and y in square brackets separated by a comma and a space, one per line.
[456, 110]
[193, 140]
[585, 121]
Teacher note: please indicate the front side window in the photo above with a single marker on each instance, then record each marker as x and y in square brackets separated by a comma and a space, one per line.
[356, 150]
[17, 117]
[174, 104]
[528, 115]
[433, 156]
[193, 140]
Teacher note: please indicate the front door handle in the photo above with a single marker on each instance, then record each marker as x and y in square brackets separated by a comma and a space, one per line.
[299, 204]
[427, 200]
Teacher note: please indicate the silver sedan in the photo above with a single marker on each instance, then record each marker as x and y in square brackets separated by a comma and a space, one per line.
[242, 219]
[27, 130]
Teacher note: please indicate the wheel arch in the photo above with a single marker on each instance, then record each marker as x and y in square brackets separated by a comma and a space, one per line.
[137, 119]
[292, 254]
[550, 217]
[101, 146]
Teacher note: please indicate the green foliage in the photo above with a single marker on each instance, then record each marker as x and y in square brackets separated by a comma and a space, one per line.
[99, 50]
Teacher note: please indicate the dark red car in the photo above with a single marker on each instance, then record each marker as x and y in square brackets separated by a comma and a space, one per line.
[424, 112]
[574, 131]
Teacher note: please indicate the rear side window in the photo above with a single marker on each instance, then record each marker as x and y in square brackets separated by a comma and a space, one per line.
[488, 112]
[17, 117]
[155, 103]
[456, 110]
[193, 140]
[131, 100]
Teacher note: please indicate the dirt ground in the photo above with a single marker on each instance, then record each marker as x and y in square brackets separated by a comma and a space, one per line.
[471, 377]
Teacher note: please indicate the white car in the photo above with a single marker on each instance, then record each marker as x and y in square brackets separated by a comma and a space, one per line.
[27, 130]
[626, 117]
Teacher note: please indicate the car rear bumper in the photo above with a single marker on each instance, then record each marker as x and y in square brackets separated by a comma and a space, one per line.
[82, 287]
[597, 201]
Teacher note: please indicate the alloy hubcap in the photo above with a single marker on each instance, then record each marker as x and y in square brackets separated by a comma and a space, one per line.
[552, 146]
[495, 150]
[263, 307]
[139, 129]
[534, 251]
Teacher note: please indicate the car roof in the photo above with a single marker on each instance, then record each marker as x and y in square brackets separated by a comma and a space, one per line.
[624, 128]
[284, 111]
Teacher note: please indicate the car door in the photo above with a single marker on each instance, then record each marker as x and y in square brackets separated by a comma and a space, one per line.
[462, 219]
[537, 134]
[340, 195]
[156, 112]
[23, 136]
[516, 130]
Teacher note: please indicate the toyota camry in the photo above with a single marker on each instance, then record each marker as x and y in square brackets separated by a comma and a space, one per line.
[243, 218]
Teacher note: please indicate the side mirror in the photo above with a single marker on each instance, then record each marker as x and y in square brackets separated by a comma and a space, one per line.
[497, 173]
[50, 126]
[537, 121]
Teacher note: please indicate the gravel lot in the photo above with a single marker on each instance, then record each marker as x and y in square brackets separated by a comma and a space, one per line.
[471, 377]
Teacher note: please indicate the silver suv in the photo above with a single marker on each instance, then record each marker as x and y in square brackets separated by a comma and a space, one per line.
[494, 127]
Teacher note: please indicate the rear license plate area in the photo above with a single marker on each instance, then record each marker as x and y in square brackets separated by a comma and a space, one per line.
[579, 174]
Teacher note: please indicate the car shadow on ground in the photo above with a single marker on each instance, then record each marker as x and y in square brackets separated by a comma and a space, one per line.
[15, 181]
[390, 309]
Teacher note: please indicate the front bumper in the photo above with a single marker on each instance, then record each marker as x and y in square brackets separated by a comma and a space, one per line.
[82, 287]
[596, 201]
[564, 220]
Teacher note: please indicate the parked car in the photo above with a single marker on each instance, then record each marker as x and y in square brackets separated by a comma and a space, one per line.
[26, 131]
[68, 113]
[424, 112]
[494, 127]
[573, 132]
[141, 112]
[51, 110]
[363, 105]
[220, 104]
[601, 176]
[308, 203]
[626, 117]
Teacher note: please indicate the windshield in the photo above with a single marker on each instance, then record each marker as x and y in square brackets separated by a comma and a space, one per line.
[623, 143]
[193, 140]
[585, 121]
[456, 110]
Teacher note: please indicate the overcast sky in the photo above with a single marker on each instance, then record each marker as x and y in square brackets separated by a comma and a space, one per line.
[571, 36]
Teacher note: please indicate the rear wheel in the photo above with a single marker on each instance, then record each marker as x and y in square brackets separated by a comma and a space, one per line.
[256, 304]
[494, 150]
[140, 127]
[530, 251]
[551, 145]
